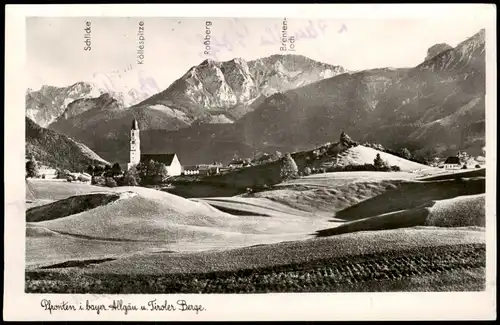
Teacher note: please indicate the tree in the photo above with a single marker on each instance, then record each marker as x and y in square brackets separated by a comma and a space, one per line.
[463, 156]
[107, 171]
[160, 173]
[405, 153]
[378, 162]
[98, 170]
[90, 170]
[31, 168]
[307, 171]
[289, 169]
[116, 170]
[131, 177]
[152, 172]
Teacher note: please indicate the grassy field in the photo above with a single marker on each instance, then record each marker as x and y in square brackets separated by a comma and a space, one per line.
[463, 211]
[330, 264]
[325, 200]
[150, 218]
[455, 174]
[459, 212]
[94, 239]
[361, 155]
[411, 195]
[66, 207]
[56, 190]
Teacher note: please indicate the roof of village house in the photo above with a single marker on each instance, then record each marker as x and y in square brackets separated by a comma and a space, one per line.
[164, 158]
[452, 161]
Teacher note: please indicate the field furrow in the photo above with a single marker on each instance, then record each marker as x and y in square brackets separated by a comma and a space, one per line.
[327, 275]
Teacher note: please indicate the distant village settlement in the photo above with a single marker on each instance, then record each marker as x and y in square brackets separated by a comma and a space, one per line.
[161, 166]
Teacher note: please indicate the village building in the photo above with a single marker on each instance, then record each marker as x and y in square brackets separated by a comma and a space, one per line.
[452, 163]
[170, 160]
[202, 169]
[190, 170]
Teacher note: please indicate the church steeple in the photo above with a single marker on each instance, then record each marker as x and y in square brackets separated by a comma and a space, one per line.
[135, 125]
[135, 144]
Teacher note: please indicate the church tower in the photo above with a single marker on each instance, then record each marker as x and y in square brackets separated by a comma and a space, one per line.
[135, 145]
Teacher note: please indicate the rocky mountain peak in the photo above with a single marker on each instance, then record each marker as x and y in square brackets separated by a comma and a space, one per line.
[437, 49]
[233, 86]
[47, 104]
[346, 141]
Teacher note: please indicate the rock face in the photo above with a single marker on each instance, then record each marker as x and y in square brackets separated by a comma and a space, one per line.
[346, 142]
[233, 86]
[79, 106]
[127, 87]
[56, 150]
[47, 104]
[437, 49]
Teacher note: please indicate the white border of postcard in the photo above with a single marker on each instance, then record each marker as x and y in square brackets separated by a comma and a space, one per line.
[291, 306]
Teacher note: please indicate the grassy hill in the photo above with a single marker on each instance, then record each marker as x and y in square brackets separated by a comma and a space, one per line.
[336, 155]
[326, 232]
[57, 150]
[47, 190]
[149, 216]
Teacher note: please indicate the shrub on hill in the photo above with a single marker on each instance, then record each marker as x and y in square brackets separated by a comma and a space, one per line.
[289, 169]
[130, 178]
[110, 182]
[98, 181]
[379, 163]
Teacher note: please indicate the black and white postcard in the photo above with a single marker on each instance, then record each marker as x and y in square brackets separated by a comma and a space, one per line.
[250, 162]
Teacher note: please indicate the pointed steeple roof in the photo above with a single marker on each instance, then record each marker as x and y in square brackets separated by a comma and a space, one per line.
[135, 125]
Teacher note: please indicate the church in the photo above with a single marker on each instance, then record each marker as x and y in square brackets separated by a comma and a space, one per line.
[170, 160]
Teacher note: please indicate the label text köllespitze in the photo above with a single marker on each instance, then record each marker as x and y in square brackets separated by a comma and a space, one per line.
[141, 39]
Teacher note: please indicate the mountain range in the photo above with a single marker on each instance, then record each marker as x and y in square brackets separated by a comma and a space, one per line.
[218, 110]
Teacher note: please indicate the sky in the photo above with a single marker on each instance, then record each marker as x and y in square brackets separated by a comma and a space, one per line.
[55, 46]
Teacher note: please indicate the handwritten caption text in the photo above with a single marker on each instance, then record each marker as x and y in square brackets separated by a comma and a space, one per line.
[122, 306]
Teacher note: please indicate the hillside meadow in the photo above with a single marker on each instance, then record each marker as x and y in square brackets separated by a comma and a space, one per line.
[107, 236]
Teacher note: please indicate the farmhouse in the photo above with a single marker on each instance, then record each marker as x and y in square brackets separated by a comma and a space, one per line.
[190, 170]
[202, 169]
[452, 163]
[170, 160]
